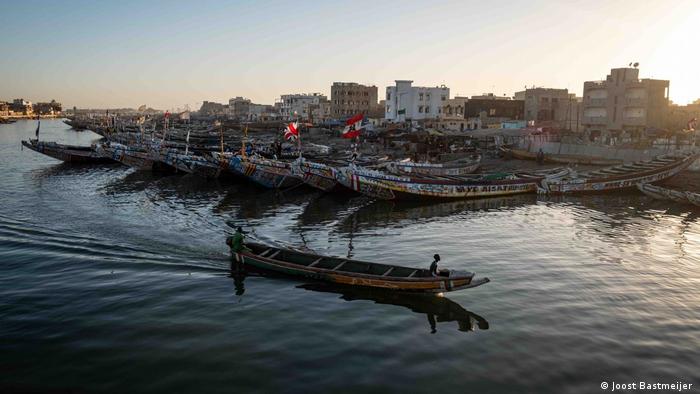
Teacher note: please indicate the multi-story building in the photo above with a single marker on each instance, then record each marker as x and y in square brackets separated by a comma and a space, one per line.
[239, 108]
[624, 102]
[22, 106]
[679, 116]
[350, 98]
[452, 114]
[406, 103]
[297, 105]
[492, 111]
[550, 107]
[4, 109]
[210, 108]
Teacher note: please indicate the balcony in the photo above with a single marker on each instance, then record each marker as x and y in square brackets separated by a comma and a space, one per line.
[597, 102]
[595, 120]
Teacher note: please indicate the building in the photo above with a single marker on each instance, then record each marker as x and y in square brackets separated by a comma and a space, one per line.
[623, 102]
[296, 105]
[678, 116]
[490, 111]
[452, 114]
[350, 98]
[239, 108]
[210, 108]
[405, 102]
[548, 107]
[4, 108]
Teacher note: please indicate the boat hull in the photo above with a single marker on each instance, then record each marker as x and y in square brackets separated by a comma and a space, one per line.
[271, 174]
[67, 153]
[317, 175]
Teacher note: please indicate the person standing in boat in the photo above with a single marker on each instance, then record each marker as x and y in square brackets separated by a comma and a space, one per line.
[433, 265]
[237, 244]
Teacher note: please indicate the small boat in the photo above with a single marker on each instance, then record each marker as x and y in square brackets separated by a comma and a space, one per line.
[355, 273]
[660, 193]
[139, 157]
[189, 163]
[456, 167]
[393, 187]
[67, 153]
[693, 198]
[561, 159]
[621, 177]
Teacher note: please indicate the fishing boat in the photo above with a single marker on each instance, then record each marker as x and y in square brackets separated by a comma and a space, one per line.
[561, 159]
[393, 187]
[693, 198]
[456, 167]
[353, 272]
[621, 177]
[67, 153]
[660, 193]
[272, 174]
[139, 157]
[189, 163]
[317, 175]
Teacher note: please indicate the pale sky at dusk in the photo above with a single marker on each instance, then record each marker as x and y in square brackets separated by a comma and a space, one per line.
[168, 54]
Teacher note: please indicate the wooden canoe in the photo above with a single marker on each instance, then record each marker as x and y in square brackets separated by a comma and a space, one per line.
[693, 198]
[353, 272]
[562, 159]
[626, 176]
[67, 153]
[660, 193]
[455, 167]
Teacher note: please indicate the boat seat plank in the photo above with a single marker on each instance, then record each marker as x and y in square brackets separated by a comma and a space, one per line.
[388, 271]
[263, 254]
[413, 273]
[318, 260]
[339, 265]
[274, 254]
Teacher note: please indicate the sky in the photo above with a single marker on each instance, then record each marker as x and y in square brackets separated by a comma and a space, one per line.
[168, 54]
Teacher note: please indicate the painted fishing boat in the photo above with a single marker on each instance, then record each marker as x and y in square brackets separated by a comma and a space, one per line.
[317, 175]
[189, 163]
[660, 193]
[139, 157]
[353, 272]
[561, 159]
[621, 177]
[392, 187]
[456, 167]
[693, 198]
[273, 174]
[67, 153]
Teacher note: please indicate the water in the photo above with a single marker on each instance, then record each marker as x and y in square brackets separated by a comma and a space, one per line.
[116, 280]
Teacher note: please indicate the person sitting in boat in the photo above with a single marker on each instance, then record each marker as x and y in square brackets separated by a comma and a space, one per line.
[540, 156]
[434, 267]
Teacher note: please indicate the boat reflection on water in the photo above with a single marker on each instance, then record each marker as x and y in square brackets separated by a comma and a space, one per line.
[437, 308]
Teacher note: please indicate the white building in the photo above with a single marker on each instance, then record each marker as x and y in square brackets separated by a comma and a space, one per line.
[405, 102]
[300, 104]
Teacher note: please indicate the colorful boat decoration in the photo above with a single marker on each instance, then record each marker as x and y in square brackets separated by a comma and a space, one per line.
[67, 153]
[273, 174]
[660, 193]
[392, 187]
[132, 156]
[561, 159]
[621, 177]
[317, 175]
[190, 163]
[456, 167]
[355, 273]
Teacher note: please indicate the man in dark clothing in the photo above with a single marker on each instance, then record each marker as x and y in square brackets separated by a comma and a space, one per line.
[237, 244]
[540, 156]
[433, 265]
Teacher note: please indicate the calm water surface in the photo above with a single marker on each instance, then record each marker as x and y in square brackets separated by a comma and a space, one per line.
[116, 280]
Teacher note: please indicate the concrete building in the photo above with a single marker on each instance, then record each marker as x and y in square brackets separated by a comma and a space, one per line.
[548, 107]
[623, 102]
[405, 102]
[297, 105]
[492, 111]
[210, 108]
[52, 108]
[4, 108]
[239, 108]
[680, 115]
[21, 107]
[350, 98]
[452, 114]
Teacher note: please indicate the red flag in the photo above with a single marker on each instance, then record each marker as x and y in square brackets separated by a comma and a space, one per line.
[353, 126]
[291, 132]
[167, 114]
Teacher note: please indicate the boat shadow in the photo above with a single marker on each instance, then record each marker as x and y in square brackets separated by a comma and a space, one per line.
[437, 309]
[71, 169]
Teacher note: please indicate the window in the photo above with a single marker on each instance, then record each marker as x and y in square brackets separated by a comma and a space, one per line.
[420, 109]
[492, 112]
[555, 100]
[443, 98]
[427, 96]
[420, 97]
[427, 109]
[388, 95]
[388, 108]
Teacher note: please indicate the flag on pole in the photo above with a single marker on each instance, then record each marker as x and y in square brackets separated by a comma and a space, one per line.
[292, 131]
[353, 126]
[38, 125]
